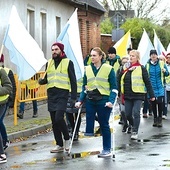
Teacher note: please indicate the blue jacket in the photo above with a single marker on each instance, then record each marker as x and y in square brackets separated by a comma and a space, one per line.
[155, 74]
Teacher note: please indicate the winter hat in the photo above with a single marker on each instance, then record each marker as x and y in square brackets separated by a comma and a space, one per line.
[111, 50]
[60, 45]
[153, 52]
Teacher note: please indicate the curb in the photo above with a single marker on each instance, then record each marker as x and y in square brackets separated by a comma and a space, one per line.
[29, 132]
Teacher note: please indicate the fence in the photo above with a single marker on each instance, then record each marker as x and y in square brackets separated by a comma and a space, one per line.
[28, 90]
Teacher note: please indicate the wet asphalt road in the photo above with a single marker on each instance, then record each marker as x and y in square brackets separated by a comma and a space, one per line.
[150, 152]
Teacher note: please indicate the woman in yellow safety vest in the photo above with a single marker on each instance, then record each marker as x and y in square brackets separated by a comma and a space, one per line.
[5, 91]
[134, 82]
[98, 82]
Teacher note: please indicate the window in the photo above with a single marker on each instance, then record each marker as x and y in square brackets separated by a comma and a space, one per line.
[43, 32]
[58, 26]
[30, 22]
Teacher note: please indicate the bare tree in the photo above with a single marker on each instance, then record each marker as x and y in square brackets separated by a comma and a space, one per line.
[143, 9]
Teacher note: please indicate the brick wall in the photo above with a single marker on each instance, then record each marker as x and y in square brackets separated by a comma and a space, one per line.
[106, 42]
[89, 24]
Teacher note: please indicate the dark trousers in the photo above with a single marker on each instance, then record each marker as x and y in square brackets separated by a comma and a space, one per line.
[72, 117]
[2, 110]
[167, 102]
[59, 126]
[147, 105]
[157, 105]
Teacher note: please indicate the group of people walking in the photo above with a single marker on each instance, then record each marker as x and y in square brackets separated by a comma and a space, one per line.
[148, 84]
[102, 76]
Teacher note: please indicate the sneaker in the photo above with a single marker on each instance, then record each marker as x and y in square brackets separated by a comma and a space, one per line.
[35, 115]
[121, 122]
[20, 115]
[105, 154]
[6, 144]
[129, 131]
[3, 158]
[145, 115]
[134, 136]
[67, 145]
[57, 149]
[164, 117]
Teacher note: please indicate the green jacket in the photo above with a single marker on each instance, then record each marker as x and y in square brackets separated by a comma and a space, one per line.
[5, 86]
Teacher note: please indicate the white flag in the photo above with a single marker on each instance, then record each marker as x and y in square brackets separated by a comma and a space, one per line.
[23, 49]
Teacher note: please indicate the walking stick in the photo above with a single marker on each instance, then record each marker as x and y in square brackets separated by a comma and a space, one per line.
[113, 136]
[74, 131]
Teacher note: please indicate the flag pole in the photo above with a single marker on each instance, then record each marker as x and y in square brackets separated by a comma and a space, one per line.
[2, 48]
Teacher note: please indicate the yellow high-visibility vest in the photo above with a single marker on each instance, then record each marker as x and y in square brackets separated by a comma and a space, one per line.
[115, 66]
[137, 83]
[100, 81]
[58, 77]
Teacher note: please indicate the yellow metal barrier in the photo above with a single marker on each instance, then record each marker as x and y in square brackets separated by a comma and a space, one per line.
[28, 90]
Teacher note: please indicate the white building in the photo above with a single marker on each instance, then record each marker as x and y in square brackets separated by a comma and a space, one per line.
[44, 20]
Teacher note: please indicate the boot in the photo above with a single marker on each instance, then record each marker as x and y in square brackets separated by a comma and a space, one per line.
[125, 128]
[155, 122]
[159, 121]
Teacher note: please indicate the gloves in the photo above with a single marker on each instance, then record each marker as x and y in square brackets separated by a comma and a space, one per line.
[72, 102]
[78, 104]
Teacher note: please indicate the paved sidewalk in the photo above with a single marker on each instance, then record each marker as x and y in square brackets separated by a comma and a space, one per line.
[28, 126]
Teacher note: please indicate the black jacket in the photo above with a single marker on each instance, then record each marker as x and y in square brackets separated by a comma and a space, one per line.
[57, 97]
[128, 93]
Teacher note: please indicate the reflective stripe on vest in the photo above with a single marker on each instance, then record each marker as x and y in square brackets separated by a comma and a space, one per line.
[79, 85]
[137, 83]
[58, 77]
[99, 82]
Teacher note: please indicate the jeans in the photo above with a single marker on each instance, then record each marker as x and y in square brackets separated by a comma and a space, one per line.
[103, 114]
[132, 111]
[22, 106]
[2, 112]
[2, 126]
[59, 127]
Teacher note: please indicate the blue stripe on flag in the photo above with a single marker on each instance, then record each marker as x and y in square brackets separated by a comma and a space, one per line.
[70, 54]
[19, 60]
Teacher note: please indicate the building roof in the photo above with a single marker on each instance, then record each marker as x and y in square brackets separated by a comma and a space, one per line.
[86, 3]
[93, 4]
